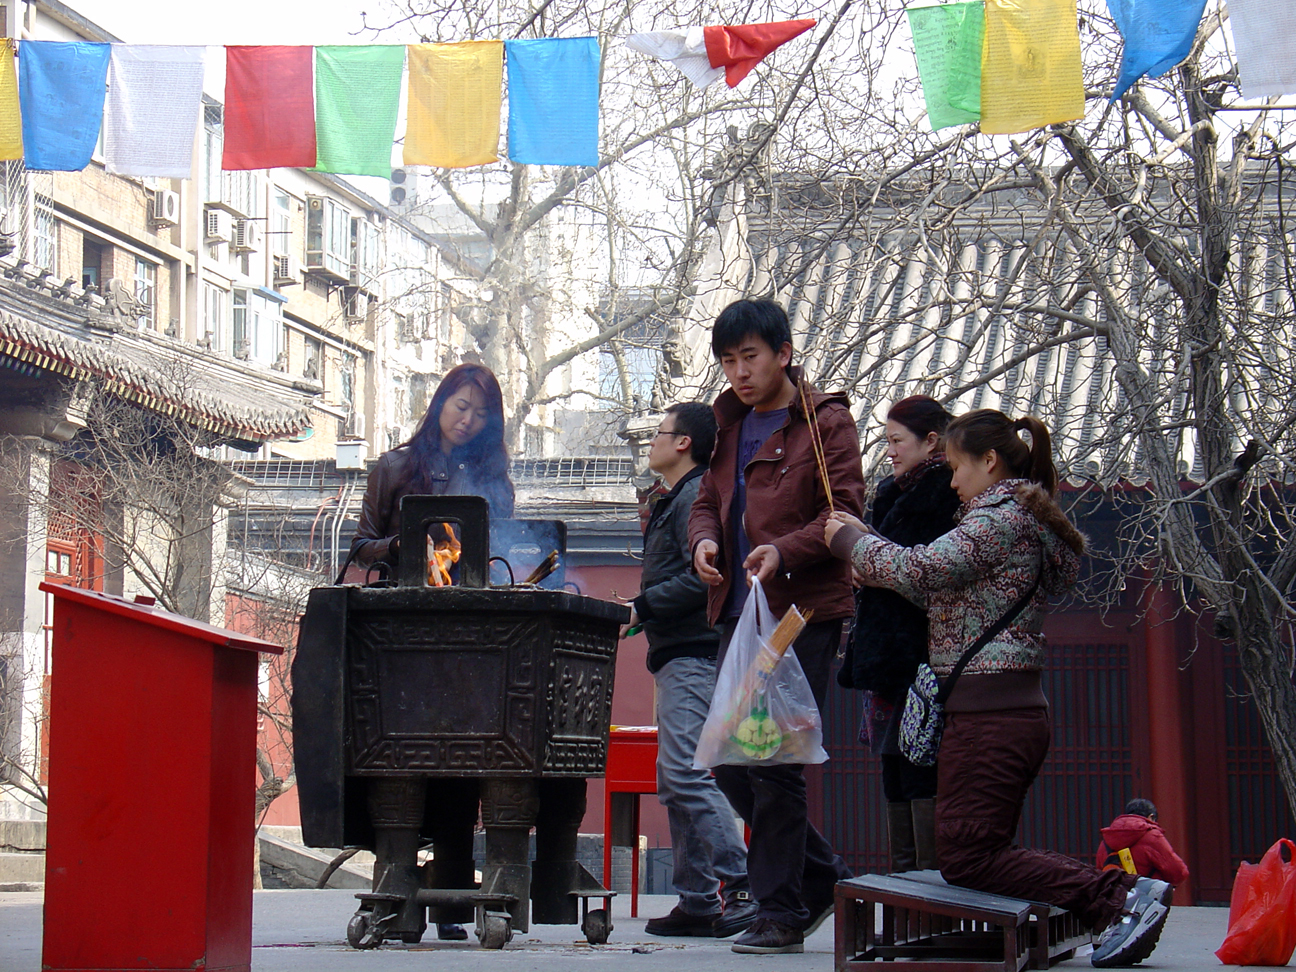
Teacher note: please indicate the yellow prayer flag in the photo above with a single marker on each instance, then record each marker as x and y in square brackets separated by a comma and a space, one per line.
[453, 118]
[11, 144]
[1030, 65]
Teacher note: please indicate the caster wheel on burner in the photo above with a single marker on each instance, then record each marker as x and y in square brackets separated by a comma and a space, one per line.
[597, 927]
[496, 932]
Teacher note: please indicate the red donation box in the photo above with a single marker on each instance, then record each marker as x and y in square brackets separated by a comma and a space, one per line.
[152, 773]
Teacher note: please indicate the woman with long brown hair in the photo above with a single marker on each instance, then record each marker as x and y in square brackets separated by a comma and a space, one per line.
[458, 449]
[1013, 547]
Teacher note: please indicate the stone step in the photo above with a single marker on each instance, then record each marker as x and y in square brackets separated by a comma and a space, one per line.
[17, 868]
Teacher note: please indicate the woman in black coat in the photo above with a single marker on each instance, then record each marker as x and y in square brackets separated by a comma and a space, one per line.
[914, 505]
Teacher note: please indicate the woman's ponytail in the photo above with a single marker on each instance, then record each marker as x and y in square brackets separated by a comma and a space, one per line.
[978, 432]
[1041, 468]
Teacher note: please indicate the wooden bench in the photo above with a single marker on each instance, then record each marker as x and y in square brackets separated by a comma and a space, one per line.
[938, 927]
[1055, 933]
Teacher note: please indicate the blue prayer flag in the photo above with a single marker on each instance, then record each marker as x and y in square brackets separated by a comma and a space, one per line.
[1158, 35]
[61, 89]
[553, 92]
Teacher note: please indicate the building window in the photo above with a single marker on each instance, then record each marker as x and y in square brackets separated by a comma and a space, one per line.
[313, 360]
[92, 258]
[214, 303]
[44, 234]
[280, 241]
[213, 149]
[146, 290]
[240, 344]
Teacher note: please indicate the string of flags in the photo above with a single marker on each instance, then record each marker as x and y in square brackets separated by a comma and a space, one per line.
[329, 108]
[1008, 65]
[1014, 65]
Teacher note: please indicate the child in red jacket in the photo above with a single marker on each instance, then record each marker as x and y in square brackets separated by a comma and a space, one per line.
[1137, 833]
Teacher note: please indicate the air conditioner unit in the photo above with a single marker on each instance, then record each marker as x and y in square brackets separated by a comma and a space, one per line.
[357, 303]
[287, 270]
[166, 208]
[218, 226]
[353, 427]
[246, 236]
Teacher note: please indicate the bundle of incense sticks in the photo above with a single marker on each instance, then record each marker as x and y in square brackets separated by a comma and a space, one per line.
[816, 443]
[543, 569]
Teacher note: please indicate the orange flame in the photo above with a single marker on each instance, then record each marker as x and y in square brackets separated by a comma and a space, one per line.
[443, 555]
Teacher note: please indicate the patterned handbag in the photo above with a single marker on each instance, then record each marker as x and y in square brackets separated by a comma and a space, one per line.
[923, 718]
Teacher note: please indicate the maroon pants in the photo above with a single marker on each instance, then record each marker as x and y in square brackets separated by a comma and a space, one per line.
[988, 761]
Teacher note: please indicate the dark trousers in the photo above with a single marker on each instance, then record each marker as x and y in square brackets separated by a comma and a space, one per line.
[903, 782]
[988, 761]
[789, 863]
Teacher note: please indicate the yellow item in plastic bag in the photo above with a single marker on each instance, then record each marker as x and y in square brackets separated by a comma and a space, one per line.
[1030, 65]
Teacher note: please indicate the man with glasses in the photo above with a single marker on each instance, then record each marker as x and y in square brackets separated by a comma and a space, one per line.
[708, 850]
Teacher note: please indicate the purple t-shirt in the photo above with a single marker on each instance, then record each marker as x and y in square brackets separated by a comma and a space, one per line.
[756, 428]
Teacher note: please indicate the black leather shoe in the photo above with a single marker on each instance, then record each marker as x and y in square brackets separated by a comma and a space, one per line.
[769, 937]
[680, 923]
[739, 913]
[449, 931]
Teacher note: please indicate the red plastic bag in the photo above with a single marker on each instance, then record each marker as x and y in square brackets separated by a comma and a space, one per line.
[1262, 913]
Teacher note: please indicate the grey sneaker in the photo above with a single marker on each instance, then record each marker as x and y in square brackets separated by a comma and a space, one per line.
[1132, 937]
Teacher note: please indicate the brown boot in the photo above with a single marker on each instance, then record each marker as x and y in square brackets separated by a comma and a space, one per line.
[924, 834]
[900, 832]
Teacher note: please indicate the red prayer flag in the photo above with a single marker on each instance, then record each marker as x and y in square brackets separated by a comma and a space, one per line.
[739, 49]
[269, 107]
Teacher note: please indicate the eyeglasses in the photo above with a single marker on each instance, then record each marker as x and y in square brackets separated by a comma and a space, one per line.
[664, 432]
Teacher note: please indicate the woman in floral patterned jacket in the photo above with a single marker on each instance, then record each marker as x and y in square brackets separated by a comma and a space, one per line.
[997, 722]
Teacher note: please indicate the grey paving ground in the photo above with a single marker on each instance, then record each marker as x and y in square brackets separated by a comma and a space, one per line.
[300, 930]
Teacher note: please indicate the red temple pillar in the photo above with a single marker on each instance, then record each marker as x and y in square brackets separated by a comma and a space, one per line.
[1167, 719]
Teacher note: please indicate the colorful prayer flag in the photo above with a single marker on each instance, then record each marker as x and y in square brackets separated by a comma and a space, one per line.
[61, 89]
[1264, 32]
[151, 113]
[686, 49]
[357, 96]
[1158, 35]
[739, 49]
[947, 45]
[553, 90]
[269, 108]
[11, 145]
[1030, 65]
[453, 118]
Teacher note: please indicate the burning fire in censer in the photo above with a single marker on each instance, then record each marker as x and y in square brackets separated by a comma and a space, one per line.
[442, 555]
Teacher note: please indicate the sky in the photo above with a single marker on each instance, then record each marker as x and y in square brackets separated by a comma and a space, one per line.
[234, 21]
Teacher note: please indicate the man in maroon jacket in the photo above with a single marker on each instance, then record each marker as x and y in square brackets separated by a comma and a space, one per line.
[760, 512]
[1150, 853]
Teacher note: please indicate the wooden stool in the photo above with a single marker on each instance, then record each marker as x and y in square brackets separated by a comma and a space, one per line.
[1055, 933]
[937, 928]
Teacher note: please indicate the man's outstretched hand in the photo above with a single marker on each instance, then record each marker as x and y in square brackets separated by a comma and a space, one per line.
[704, 562]
[762, 563]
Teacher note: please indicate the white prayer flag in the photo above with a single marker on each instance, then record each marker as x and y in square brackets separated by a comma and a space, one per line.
[1264, 32]
[152, 109]
[686, 49]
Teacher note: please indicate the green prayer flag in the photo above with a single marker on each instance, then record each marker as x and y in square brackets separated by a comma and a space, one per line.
[947, 43]
[357, 95]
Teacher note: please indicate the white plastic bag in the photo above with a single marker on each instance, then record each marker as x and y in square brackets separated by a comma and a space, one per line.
[763, 711]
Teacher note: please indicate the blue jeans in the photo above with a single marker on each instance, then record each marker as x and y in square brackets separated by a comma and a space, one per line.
[705, 840]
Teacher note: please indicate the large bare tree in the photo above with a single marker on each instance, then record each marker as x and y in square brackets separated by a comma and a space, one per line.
[577, 259]
[1126, 276]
